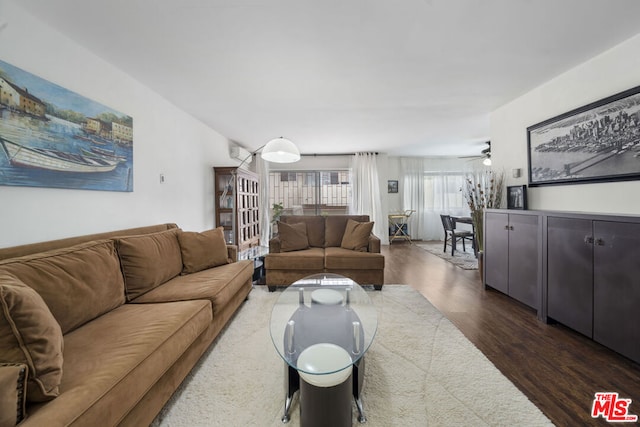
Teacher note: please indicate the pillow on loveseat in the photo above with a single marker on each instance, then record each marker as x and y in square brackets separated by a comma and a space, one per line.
[29, 334]
[149, 260]
[293, 237]
[202, 250]
[356, 235]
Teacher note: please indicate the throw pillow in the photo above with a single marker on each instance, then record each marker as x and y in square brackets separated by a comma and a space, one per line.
[13, 378]
[356, 235]
[29, 334]
[149, 260]
[293, 237]
[202, 250]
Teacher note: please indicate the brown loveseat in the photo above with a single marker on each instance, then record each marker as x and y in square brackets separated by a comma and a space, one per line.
[107, 326]
[340, 244]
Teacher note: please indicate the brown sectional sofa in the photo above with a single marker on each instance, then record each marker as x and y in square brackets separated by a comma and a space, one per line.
[326, 253]
[108, 325]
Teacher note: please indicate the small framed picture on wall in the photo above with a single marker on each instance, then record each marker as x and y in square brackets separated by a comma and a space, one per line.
[517, 197]
[392, 186]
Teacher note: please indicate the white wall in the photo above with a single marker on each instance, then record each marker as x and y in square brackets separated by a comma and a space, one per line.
[166, 140]
[609, 73]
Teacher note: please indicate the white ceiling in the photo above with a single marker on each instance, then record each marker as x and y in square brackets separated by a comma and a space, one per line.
[403, 77]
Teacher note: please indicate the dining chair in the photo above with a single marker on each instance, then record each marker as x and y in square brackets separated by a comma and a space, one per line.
[452, 235]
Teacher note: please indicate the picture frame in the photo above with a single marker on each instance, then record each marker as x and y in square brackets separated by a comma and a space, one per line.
[599, 142]
[517, 197]
[53, 137]
[392, 186]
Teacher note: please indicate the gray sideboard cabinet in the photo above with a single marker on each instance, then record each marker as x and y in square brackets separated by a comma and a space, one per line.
[593, 278]
[513, 254]
[578, 269]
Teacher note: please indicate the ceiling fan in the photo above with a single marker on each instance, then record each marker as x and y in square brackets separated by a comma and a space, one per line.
[485, 154]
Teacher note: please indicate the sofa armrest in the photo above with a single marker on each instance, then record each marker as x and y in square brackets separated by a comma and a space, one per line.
[274, 245]
[13, 393]
[374, 244]
[232, 253]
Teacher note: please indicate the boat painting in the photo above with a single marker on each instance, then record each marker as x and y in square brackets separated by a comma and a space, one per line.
[54, 160]
[53, 137]
[103, 154]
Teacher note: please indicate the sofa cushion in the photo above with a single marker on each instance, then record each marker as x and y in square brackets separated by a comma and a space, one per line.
[29, 334]
[356, 235]
[202, 250]
[293, 237]
[308, 259]
[78, 283]
[149, 260]
[346, 259]
[315, 227]
[106, 378]
[335, 226]
[13, 379]
[217, 284]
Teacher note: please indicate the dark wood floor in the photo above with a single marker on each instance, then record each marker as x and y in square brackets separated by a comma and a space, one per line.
[557, 369]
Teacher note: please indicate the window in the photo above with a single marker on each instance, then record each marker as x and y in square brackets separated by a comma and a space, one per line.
[443, 191]
[330, 178]
[310, 192]
[287, 176]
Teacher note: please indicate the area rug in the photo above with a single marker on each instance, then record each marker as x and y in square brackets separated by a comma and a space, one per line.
[463, 259]
[420, 371]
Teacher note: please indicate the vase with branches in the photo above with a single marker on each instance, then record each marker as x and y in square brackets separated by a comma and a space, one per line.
[483, 190]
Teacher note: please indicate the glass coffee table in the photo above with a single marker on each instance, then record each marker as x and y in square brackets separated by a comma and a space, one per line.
[323, 310]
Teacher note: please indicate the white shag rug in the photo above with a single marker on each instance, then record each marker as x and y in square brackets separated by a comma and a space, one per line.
[463, 259]
[420, 371]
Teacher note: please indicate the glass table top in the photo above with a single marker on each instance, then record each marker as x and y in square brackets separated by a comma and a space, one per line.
[253, 253]
[323, 309]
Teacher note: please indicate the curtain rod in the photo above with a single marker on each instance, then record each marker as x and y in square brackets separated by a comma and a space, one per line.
[333, 154]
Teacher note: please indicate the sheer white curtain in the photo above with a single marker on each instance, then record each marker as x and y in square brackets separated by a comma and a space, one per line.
[262, 169]
[365, 193]
[412, 176]
[432, 186]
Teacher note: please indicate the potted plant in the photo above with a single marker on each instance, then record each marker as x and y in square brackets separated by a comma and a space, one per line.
[483, 190]
[276, 212]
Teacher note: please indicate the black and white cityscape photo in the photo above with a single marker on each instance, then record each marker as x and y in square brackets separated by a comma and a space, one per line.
[598, 142]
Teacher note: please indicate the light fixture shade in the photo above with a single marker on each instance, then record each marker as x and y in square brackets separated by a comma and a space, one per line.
[280, 150]
[487, 161]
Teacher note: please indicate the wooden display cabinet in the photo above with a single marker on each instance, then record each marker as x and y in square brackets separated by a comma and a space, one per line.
[236, 199]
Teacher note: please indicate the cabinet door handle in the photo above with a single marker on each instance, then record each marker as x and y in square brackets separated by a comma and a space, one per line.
[600, 242]
[511, 227]
[506, 227]
[588, 240]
